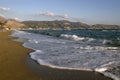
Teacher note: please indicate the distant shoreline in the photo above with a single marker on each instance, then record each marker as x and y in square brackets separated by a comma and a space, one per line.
[67, 29]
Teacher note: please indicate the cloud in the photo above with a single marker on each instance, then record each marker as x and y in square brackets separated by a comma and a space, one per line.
[51, 14]
[17, 19]
[4, 9]
[63, 16]
[46, 14]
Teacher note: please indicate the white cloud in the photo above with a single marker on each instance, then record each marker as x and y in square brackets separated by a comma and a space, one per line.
[46, 14]
[64, 16]
[51, 14]
[17, 19]
[4, 9]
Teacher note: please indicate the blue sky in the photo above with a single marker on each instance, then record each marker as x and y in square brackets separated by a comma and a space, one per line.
[87, 11]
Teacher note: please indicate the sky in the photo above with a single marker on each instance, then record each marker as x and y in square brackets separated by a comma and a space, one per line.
[86, 11]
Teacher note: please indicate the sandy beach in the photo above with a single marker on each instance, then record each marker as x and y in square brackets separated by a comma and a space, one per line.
[47, 73]
[15, 64]
[12, 60]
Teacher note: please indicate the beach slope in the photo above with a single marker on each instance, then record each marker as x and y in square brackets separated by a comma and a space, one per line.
[15, 64]
[12, 59]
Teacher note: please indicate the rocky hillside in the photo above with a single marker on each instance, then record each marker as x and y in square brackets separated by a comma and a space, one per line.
[103, 26]
[9, 24]
[12, 24]
[2, 22]
[63, 24]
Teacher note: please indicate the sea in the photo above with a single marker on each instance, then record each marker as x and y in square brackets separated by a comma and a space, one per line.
[90, 50]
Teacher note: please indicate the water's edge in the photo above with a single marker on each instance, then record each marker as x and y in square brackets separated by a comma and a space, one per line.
[57, 67]
[38, 68]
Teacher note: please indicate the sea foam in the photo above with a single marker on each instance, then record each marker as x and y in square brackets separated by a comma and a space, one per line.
[79, 53]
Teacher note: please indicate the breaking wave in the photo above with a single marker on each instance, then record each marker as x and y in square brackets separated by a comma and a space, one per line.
[72, 52]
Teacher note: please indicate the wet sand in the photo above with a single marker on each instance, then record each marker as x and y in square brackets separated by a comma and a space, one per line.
[47, 73]
[15, 64]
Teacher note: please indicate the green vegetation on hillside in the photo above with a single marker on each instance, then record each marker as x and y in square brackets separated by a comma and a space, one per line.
[64, 24]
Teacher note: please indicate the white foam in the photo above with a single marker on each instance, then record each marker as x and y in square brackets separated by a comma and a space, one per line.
[73, 37]
[106, 41]
[91, 39]
[33, 56]
[69, 54]
[101, 70]
[39, 51]
[58, 67]
[98, 48]
[111, 75]
[77, 38]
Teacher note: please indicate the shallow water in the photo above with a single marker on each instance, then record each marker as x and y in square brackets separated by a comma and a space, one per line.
[71, 51]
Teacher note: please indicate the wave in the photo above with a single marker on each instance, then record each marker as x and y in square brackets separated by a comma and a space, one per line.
[42, 62]
[114, 42]
[71, 54]
[75, 37]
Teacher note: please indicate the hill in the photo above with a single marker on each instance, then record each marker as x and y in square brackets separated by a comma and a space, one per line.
[104, 26]
[64, 24]
[9, 24]
[2, 22]
[13, 24]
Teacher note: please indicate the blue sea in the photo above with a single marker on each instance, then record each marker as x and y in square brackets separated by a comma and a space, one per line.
[93, 50]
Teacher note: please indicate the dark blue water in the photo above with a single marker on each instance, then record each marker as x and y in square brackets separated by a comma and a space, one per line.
[105, 34]
[112, 35]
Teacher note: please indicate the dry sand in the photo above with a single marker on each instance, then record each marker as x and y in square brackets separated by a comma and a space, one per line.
[12, 60]
[15, 64]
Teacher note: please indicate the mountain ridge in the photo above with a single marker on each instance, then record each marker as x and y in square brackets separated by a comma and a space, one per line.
[11, 24]
[64, 24]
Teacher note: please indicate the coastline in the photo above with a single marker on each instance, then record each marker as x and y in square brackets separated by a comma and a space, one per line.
[17, 65]
[48, 73]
